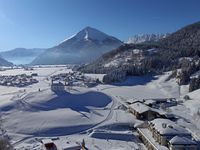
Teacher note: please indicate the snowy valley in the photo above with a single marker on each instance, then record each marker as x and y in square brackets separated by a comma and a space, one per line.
[99, 115]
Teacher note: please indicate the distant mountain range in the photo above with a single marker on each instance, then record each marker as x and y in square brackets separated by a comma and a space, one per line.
[141, 38]
[21, 55]
[83, 47]
[89, 44]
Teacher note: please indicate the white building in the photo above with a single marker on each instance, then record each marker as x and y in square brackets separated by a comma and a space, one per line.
[163, 130]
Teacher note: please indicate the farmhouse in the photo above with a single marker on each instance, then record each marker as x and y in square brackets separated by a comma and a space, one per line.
[143, 112]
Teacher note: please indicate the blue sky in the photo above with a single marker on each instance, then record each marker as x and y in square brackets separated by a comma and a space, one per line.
[44, 23]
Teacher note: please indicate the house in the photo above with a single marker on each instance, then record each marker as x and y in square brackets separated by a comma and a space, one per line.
[143, 112]
[165, 134]
[163, 130]
[48, 144]
[66, 145]
[182, 143]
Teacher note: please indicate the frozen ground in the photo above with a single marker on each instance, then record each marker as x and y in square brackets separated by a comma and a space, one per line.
[92, 114]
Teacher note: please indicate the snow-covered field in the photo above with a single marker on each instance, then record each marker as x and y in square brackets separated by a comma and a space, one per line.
[92, 114]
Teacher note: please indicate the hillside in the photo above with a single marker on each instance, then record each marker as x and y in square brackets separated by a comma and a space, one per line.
[187, 38]
[179, 50]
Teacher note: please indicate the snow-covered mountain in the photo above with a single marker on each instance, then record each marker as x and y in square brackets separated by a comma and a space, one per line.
[140, 38]
[21, 55]
[82, 47]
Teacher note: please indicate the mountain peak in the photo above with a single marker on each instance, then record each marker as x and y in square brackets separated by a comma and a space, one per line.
[89, 33]
[89, 28]
[83, 47]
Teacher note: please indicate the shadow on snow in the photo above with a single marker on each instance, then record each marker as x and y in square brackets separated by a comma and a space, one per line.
[76, 102]
[136, 80]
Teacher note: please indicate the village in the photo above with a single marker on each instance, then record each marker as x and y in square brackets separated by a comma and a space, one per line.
[62, 81]
[21, 80]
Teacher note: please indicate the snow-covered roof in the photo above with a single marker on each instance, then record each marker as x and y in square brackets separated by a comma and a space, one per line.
[156, 100]
[63, 144]
[149, 101]
[47, 141]
[161, 112]
[177, 140]
[139, 107]
[57, 84]
[168, 127]
[133, 100]
[70, 146]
